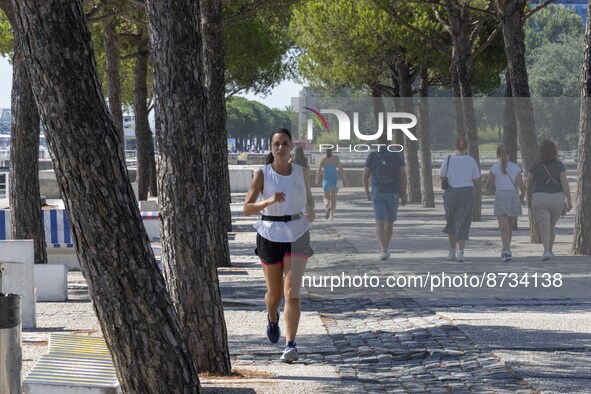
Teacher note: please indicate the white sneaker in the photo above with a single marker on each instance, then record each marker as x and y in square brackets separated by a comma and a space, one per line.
[384, 256]
[460, 255]
[506, 256]
[290, 354]
[451, 255]
[547, 255]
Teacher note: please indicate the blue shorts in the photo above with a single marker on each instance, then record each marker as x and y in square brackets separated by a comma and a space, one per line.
[385, 206]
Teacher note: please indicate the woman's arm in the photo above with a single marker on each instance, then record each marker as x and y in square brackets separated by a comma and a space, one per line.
[490, 181]
[475, 174]
[521, 186]
[251, 206]
[310, 214]
[341, 172]
[319, 171]
[566, 190]
[529, 187]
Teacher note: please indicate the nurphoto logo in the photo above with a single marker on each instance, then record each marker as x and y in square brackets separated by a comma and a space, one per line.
[391, 120]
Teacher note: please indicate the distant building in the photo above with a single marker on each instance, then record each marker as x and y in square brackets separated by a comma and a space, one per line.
[5, 122]
[578, 6]
[128, 130]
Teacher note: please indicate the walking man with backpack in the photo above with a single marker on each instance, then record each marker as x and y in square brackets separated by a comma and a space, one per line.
[387, 172]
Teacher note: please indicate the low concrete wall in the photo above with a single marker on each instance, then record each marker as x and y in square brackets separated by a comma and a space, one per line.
[51, 282]
[66, 257]
[48, 184]
[240, 180]
[20, 278]
[152, 226]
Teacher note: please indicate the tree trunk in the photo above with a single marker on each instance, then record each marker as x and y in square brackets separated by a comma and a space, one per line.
[458, 108]
[406, 79]
[377, 103]
[459, 25]
[582, 235]
[425, 141]
[510, 14]
[213, 68]
[113, 82]
[143, 134]
[193, 239]
[128, 293]
[24, 197]
[510, 127]
[396, 102]
[510, 122]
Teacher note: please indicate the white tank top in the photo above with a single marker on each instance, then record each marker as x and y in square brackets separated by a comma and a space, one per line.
[506, 181]
[294, 188]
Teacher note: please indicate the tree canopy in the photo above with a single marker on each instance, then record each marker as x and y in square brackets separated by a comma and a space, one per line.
[252, 120]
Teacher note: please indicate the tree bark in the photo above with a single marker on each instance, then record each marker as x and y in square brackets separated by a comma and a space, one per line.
[406, 79]
[24, 197]
[129, 295]
[193, 239]
[582, 234]
[143, 134]
[214, 71]
[510, 121]
[510, 14]
[396, 101]
[113, 82]
[425, 141]
[459, 25]
[510, 127]
[377, 103]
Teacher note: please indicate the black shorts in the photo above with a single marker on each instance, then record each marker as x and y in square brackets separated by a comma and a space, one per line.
[273, 252]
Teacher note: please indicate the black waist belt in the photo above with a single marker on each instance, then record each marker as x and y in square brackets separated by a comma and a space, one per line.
[286, 218]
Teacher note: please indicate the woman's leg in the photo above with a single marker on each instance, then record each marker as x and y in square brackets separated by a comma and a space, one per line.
[452, 241]
[333, 201]
[505, 229]
[294, 267]
[461, 244]
[556, 208]
[542, 214]
[327, 203]
[274, 280]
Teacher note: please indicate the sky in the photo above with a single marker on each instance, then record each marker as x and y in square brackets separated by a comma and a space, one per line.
[280, 96]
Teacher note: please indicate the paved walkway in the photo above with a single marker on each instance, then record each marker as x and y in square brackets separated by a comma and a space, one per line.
[393, 340]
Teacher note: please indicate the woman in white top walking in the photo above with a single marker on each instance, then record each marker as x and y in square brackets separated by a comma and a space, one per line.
[506, 176]
[281, 192]
[462, 173]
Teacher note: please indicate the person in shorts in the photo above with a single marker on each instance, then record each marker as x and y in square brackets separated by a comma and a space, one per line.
[387, 172]
[509, 195]
[280, 191]
[330, 171]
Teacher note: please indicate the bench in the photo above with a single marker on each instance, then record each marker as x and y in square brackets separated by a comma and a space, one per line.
[73, 364]
[58, 235]
[55, 222]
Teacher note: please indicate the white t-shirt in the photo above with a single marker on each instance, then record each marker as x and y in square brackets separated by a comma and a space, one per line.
[502, 181]
[294, 188]
[462, 169]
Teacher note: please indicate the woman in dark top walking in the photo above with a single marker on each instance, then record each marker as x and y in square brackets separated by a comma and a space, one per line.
[548, 194]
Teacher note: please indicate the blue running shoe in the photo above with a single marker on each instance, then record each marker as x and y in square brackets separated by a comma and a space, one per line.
[273, 332]
[290, 354]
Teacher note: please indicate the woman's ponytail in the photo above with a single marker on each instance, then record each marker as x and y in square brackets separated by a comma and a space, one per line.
[502, 154]
[269, 159]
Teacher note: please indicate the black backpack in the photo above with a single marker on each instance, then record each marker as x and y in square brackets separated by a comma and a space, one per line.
[386, 168]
